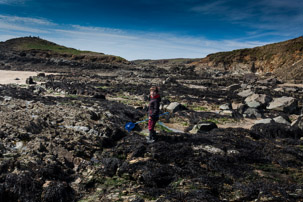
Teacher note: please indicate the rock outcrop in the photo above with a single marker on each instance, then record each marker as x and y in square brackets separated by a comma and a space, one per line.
[284, 59]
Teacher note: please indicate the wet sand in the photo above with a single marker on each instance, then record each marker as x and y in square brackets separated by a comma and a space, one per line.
[15, 77]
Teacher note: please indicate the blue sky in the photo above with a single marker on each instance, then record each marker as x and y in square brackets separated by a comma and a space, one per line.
[154, 29]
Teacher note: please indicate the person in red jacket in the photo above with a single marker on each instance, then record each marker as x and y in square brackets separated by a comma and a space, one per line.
[153, 111]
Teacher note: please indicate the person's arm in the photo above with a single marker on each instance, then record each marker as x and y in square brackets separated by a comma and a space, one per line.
[155, 110]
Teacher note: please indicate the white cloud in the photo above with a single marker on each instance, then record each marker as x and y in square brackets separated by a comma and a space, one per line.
[13, 27]
[12, 2]
[24, 25]
[143, 45]
[26, 20]
[96, 29]
[223, 10]
[263, 15]
[216, 6]
[128, 44]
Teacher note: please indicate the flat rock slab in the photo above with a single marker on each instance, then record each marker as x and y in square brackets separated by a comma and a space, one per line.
[285, 104]
[203, 127]
[245, 93]
[256, 100]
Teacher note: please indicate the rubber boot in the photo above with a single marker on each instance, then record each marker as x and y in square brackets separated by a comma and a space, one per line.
[151, 137]
[154, 134]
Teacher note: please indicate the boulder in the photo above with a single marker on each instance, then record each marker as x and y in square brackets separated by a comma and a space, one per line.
[24, 187]
[269, 81]
[169, 80]
[174, 107]
[284, 104]
[250, 78]
[283, 120]
[41, 74]
[279, 89]
[252, 113]
[298, 123]
[261, 87]
[264, 121]
[99, 96]
[238, 106]
[233, 87]
[39, 89]
[164, 101]
[245, 93]
[30, 80]
[257, 100]
[93, 115]
[7, 98]
[159, 176]
[253, 104]
[278, 120]
[245, 86]
[290, 89]
[57, 191]
[276, 130]
[203, 127]
[227, 112]
[164, 104]
[226, 106]
[109, 166]
[139, 151]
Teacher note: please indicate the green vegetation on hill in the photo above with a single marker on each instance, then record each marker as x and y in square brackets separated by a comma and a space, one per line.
[166, 62]
[267, 52]
[48, 46]
[284, 59]
[36, 43]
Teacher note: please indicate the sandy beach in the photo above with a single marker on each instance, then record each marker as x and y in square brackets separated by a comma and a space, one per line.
[15, 77]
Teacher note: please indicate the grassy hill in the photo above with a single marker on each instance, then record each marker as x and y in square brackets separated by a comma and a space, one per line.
[284, 59]
[38, 44]
[166, 63]
[267, 52]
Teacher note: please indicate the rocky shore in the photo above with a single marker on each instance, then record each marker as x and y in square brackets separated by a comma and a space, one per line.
[63, 139]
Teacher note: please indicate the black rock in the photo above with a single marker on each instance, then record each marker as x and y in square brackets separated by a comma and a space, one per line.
[276, 130]
[30, 81]
[99, 96]
[58, 191]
